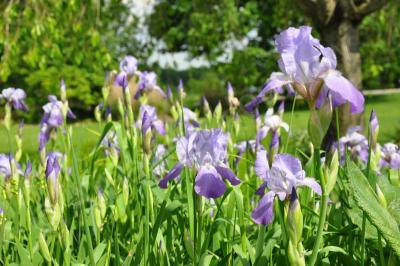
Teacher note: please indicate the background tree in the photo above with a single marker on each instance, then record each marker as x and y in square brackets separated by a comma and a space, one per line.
[42, 41]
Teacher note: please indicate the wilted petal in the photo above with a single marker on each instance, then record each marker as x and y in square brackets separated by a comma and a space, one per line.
[227, 173]
[209, 183]
[264, 212]
[174, 173]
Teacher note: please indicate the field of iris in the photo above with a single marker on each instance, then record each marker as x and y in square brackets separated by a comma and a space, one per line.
[223, 189]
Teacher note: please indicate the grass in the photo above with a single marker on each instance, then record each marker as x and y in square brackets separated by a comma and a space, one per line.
[85, 134]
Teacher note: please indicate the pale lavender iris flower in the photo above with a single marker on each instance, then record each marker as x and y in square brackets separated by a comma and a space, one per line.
[148, 82]
[355, 143]
[128, 68]
[5, 165]
[15, 97]
[272, 123]
[52, 118]
[110, 143]
[242, 147]
[205, 151]
[152, 119]
[160, 164]
[190, 119]
[310, 69]
[285, 175]
[390, 156]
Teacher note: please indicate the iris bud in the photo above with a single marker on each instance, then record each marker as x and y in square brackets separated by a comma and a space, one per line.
[294, 219]
[218, 111]
[44, 248]
[319, 122]
[381, 197]
[331, 172]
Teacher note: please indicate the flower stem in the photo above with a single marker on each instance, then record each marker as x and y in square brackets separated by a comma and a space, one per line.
[323, 208]
[290, 124]
[81, 201]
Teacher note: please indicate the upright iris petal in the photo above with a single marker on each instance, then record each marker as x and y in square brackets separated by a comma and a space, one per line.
[128, 65]
[310, 69]
[284, 175]
[15, 97]
[206, 151]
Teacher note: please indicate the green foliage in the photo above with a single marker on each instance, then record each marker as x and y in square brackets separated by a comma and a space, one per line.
[366, 200]
[42, 41]
[380, 38]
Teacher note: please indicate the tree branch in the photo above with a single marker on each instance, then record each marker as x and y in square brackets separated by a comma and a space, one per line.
[320, 11]
[367, 7]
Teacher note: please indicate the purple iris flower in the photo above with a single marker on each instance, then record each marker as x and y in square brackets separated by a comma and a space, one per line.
[390, 156]
[272, 123]
[148, 82]
[242, 147]
[110, 143]
[15, 97]
[52, 171]
[128, 65]
[310, 69]
[128, 68]
[159, 170]
[152, 120]
[52, 118]
[285, 175]
[190, 119]
[53, 115]
[356, 144]
[206, 151]
[5, 165]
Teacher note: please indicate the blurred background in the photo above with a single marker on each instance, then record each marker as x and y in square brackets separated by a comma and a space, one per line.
[206, 43]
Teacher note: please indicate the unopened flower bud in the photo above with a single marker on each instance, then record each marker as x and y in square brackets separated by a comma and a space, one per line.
[218, 111]
[63, 91]
[294, 219]
[374, 129]
[125, 191]
[381, 197]
[319, 122]
[44, 248]
[331, 172]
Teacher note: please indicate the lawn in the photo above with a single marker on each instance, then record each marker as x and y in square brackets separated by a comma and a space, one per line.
[86, 133]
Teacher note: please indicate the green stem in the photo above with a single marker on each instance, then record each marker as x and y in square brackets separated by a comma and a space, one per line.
[147, 214]
[290, 124]
[78, 182]
[381, 257]
[323, 208]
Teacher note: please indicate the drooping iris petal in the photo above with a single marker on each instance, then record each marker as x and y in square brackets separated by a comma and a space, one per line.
[311, 183]
[227, 173]
[174, 173]
[275, 83]
[343, 91]
[209, 183]
[264, 212]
